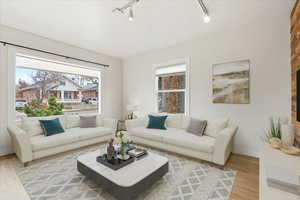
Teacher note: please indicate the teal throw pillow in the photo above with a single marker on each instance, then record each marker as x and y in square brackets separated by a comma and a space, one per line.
[51, 127]
[157, 122]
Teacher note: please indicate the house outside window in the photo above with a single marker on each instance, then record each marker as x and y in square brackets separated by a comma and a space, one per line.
[172, 89]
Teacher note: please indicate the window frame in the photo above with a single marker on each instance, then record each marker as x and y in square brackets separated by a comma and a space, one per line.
[184, 61]
[13, 52]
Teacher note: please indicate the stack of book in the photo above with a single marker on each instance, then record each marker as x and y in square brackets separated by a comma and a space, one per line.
[137, 152]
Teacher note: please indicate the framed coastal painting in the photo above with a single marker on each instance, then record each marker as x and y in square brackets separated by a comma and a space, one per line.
[231, 82]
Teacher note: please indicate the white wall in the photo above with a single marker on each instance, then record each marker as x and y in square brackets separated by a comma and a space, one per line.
[112, 80]
[266, 42]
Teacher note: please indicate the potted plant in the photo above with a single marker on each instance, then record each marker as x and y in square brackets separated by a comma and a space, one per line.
[275, 129]
[273, 134]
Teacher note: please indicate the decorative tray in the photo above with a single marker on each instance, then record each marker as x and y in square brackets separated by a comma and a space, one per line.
[290, 150]
[114, 164]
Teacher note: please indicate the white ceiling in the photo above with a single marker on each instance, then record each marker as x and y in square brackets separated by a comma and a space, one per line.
[91, 24]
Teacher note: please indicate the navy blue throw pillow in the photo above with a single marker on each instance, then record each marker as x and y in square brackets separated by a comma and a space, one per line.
[157, 122]
[51, 127]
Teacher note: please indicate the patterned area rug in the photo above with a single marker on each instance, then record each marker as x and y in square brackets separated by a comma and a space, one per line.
[58, 179]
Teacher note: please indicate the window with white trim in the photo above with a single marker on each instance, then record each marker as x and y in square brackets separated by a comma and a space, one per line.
[37, 80]
[171, 88]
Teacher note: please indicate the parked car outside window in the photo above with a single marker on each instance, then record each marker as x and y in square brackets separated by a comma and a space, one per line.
[93, 101]
[85, 100]
[20, 104]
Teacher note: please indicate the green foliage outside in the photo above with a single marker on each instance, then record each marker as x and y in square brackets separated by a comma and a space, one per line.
[274, 130]
[34, 109]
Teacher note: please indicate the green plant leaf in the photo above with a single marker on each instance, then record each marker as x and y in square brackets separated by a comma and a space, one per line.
[275, 129]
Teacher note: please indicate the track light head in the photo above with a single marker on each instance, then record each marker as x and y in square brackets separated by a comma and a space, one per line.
[131, 16]
[206, 18]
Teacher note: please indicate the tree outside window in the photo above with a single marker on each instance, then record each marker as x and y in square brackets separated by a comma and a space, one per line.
[171, 89]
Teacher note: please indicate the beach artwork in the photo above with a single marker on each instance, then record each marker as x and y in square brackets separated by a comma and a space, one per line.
[231, 82]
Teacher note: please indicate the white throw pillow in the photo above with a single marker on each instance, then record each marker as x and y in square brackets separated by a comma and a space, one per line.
[73, 121]
[214, 127]
[174, 121]
[33, 127]
[185, 122]
[99, 121]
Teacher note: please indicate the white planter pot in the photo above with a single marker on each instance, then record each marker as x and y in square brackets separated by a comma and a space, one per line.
[287, 135]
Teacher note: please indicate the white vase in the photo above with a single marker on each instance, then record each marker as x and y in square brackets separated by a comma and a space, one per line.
[287, 134]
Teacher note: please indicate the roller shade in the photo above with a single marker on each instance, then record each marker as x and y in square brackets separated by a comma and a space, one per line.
[174, 69]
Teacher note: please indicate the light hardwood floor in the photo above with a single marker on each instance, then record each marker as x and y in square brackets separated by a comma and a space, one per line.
[246, 186]
[10, 184]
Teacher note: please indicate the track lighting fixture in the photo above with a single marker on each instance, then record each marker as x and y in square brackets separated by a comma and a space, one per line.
[131, 3]
[128, 6]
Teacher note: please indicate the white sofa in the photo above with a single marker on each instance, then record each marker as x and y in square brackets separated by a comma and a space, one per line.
[215, 146]
[29, 143]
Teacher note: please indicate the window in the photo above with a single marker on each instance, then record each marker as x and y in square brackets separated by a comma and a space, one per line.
[171, 88]
[36, 80]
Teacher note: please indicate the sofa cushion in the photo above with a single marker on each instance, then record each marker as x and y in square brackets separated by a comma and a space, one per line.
[41, 142]
[184, 139]
[151, 134]
[33, 127]
[214, 127]
[88, 133]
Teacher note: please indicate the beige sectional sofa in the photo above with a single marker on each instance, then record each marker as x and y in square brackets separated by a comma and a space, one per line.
[29, 143]
[215, 146]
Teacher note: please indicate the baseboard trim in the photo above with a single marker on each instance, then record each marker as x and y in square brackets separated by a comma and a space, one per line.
[246, 156]
[9, 156]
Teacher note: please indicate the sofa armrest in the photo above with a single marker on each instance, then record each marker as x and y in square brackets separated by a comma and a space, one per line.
[21, 143]
[110, 123]
[130, 124]
[224, 145]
